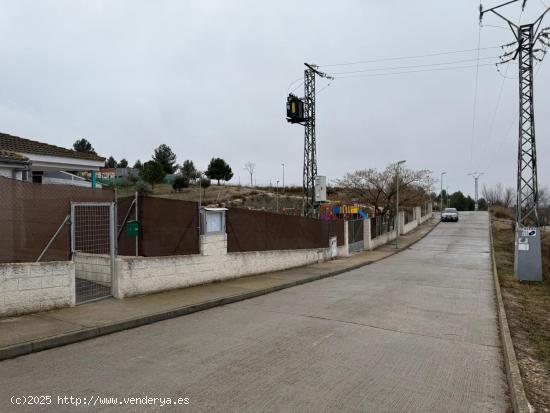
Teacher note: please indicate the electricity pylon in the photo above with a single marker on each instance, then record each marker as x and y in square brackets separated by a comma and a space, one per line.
[476, 176]
[527, 259]
[307, 118]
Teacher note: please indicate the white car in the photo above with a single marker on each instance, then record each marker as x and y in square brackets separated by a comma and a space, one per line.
[449, 214]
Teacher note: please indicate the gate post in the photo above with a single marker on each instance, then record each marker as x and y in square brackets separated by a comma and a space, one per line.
[72, 222]
[345, 251]
[367, 244]
[113, 239]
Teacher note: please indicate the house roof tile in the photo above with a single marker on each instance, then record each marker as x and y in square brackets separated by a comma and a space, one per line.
[12, 156]
[16, 144]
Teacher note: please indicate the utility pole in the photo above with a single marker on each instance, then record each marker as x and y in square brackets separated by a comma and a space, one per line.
[277, 196]
[476, 176]
[441, 194]
[527, 263]
[305, 115]
[283, 165]
[397, 204]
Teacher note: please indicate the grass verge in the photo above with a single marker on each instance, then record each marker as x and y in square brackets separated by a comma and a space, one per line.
[528, 311]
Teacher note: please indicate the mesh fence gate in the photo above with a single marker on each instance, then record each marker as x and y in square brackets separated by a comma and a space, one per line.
[93, 248]
[355, 235]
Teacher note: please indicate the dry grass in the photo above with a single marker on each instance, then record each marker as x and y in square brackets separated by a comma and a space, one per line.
[290, 201]
[528, 310]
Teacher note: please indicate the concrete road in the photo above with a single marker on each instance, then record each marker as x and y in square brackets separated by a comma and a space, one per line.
[413, 333]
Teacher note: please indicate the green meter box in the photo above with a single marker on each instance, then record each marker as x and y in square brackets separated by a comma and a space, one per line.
[132, 228]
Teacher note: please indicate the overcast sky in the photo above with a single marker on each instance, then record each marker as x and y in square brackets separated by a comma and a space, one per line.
[210, 78]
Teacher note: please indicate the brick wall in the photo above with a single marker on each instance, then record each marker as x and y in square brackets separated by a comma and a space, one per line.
[31, 287]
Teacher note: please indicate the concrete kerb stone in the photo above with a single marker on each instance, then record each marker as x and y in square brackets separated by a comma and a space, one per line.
[93, 332]
[520, 404]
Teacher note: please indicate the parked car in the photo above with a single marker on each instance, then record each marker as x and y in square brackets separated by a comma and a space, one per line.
[449, 214]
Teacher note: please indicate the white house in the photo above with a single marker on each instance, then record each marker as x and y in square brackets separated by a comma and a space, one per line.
[39, 162]
[14, 165]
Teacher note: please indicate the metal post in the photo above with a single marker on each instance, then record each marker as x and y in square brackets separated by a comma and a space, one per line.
[139, 223]
[113, 253]
[441, 194]
[52, 239]
[277, 195]
[73, 228]
[283, 177]
[397, 216]
[476, 208]
[397, 209]
[476, 176]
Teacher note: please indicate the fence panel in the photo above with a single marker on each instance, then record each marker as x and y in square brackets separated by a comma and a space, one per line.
[32, 213]
[355, 231]
[381, 224]
[409, 215]
[167, 227]
[355, 235]
[249, 230]
[336, 229]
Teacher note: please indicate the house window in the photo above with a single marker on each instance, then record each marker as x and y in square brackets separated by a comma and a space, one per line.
[37, 177]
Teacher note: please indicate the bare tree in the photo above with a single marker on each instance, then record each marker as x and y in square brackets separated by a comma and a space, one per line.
[509, 195]
[498, 195]
[249, 167]
[378, 189]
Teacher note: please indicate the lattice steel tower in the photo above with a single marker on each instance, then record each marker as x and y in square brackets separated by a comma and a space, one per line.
[527, 259]
[306, 116]
[310, 142]
[527, 188]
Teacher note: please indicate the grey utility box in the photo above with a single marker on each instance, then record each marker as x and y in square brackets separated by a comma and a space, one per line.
[528, 260]
[213, 221]
[320, 188]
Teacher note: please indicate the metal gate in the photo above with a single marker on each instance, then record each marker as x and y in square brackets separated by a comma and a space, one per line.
[355, 235]
[93, 249]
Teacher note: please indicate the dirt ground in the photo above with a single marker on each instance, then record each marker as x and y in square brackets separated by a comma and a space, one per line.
[528, 311]
[287, 201]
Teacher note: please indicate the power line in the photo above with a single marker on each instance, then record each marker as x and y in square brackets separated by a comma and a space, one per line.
[414, 66]
[409, 57]
[499, 99]
[475, 97]
[294, 90]
[412, 71]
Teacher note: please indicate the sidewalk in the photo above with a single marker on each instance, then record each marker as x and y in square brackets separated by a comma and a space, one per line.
[41, 331]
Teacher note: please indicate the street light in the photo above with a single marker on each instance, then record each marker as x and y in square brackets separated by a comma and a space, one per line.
[277, 196]
[283, 165]
[441, 194]
[397, 205]
[476, 176]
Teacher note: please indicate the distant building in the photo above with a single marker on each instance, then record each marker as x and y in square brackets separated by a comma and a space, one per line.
[107, 173]
[14, 165]
[127, 173]
[39, 162]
